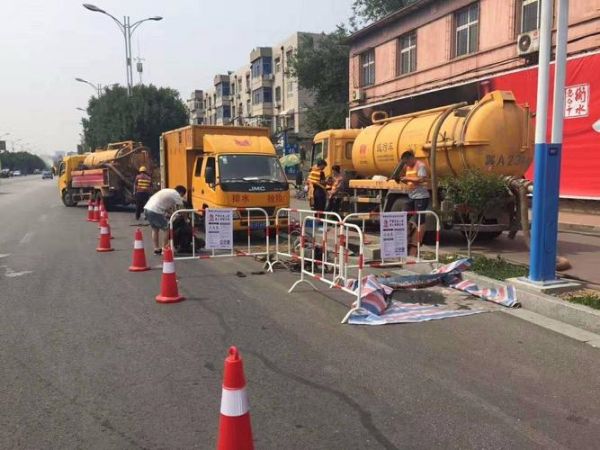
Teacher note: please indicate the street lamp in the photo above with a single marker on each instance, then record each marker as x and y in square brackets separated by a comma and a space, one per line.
[97, 87]
[81, 109]
[127, 29]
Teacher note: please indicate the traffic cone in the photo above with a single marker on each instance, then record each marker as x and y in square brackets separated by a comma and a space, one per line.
[104, 241]
[168, 283]
[235, 430]
[90, 215]
[96, 212]
[139, 256]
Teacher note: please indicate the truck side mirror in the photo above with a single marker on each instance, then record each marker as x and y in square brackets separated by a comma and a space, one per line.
[209, 175]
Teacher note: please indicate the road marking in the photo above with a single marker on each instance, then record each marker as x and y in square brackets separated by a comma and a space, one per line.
[27, 238]
[587, 337]
[9, 273]
[4, 255]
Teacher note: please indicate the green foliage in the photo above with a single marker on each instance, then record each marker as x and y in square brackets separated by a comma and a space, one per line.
[321, 66]
[587, 298]
[474, 194]
[149, 112]
[24, 161]
[497, 268]
[365, 11]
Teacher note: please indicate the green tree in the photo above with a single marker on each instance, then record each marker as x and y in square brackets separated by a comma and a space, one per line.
[321, 66]
[365, 11]
[24, 161]
[142, 117]
[474, 195]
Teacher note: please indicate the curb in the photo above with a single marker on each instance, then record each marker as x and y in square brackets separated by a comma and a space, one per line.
[579, 316]
[580, 228]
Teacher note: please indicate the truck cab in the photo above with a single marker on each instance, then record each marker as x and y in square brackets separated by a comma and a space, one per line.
[335, 147]
[65, 169]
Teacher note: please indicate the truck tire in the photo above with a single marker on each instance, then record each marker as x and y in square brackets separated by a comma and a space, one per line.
[67, 198]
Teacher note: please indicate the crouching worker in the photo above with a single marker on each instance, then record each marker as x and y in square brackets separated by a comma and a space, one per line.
[158, 211]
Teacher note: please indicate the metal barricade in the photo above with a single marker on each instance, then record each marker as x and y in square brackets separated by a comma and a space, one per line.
[253, 215]
[421, 219]
[331, 267]
[289, 221]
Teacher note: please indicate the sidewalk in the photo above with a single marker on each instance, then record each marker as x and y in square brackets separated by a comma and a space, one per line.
[580, 222]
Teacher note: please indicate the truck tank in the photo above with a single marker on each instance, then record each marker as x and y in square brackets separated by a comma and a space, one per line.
[493, 135]
[128, 157]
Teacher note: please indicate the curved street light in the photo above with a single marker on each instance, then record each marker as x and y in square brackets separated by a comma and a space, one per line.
[127, 29]
[97, 87]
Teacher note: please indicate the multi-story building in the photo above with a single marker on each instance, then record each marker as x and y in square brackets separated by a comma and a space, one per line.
[437, 52]
[196, 107]
[262, 93]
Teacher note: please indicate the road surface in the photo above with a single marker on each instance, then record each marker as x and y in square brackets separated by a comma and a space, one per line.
[89, 360]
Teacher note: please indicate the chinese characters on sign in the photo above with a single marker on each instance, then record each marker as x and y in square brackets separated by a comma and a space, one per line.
[219, 229]
[394, 237]
[577, 101]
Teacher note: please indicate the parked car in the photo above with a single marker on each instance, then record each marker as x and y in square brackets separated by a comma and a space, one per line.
[46, 174]
[17, 173]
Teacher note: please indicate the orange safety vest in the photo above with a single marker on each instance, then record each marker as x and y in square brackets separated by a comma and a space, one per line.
[143, 183]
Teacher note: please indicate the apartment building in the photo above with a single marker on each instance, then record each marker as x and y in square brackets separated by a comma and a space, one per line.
[437, 52]
[195, 106]
[260, 93]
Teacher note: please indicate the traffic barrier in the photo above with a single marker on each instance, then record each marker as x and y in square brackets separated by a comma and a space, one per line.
[168, 283]
[235, 428]
[139, 255]
[254, 218]
[104, 240]
[315, 264]
[289, 221]
[90, 214]
[421, 220]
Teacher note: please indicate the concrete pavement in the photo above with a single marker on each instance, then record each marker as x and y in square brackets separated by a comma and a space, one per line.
[89, 360]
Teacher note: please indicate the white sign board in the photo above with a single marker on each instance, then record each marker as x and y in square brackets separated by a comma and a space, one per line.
[577, 101]
[393, 235]
[219, 229]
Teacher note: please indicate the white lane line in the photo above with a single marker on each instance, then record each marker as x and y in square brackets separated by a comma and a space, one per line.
[9, 273]
[4, 255]
[27, 238]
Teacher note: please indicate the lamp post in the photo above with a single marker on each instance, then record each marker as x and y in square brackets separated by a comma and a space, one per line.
[96, 87]
[127, 28]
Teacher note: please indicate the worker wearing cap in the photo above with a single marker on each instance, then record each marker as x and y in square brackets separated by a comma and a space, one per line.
[316, 181]
[142, 188]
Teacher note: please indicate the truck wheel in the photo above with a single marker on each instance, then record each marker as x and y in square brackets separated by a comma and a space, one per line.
[67, 198]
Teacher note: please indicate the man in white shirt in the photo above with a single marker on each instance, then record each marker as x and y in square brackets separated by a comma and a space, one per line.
[158, 210]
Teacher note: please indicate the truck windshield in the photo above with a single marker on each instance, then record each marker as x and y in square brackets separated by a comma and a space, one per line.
[250, 168]
[319, 151]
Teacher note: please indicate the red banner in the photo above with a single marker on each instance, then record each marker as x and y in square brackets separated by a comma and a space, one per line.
[580, 168]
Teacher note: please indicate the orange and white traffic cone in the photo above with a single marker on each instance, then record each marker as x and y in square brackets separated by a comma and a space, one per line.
[104, 241]
[96, 211]
[139, 256]
[235, 429]
[90, 215]
[168, 283]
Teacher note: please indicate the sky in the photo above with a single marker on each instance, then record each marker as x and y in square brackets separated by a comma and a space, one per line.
[46, 44]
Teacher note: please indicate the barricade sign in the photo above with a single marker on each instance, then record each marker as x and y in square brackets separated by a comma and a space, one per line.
[288, 224]
[325, 256]
[400, 236]
[217, 228]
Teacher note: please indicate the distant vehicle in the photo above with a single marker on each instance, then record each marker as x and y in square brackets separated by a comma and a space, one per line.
[37, 171]
[17, 173]
[4, 173]
[46, 174]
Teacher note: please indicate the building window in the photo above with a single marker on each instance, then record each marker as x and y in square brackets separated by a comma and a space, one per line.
[223, 112]
[407, 58]
[278, 94]
[288, 57]
[262, 95]
[367, 68]
[262, 66]
[467, 30]
[530, 15]
[290, 88]
[277, 65]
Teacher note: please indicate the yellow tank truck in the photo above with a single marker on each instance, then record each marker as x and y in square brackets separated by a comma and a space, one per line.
[106, 173]
[494, 135]
[225, 167]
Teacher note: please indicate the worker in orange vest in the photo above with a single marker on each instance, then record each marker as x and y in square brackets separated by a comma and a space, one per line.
[415, 177]
[142, 188]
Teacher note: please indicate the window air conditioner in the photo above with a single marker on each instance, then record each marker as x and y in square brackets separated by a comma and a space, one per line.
[528, 43]
[358, 95]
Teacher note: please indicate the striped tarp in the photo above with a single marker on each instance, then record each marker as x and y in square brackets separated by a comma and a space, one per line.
[399, 312]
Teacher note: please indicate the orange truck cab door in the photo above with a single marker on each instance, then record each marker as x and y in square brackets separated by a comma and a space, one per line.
[204, 182]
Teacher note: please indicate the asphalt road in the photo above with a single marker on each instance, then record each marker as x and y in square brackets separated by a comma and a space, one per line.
[89, 360]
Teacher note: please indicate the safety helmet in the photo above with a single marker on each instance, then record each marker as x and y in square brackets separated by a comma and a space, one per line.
[143, 169]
